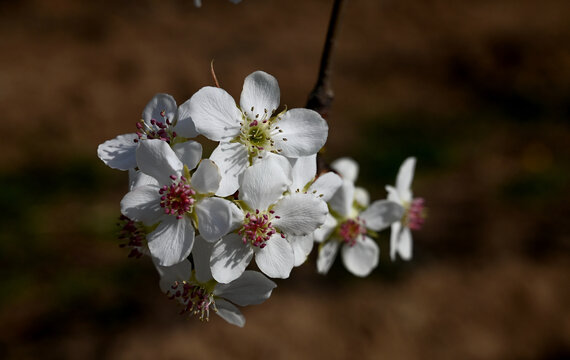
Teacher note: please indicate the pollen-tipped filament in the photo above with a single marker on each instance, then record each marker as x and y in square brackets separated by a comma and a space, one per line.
[158, 129]
[350, 230]
[416, 213]
[195, 299]
[178, 198]
[257, 228]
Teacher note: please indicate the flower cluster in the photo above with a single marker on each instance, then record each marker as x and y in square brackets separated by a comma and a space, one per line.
[256, 197]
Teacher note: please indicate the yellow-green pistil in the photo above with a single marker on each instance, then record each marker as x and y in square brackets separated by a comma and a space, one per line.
[256, 134]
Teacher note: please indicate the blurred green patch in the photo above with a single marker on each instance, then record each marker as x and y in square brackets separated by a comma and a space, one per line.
[536, 188]
[387, 140]
[55, 217]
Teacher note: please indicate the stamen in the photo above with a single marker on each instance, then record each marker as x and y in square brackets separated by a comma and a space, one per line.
[256, 133]
[416, 214]
[178, 198]
[133, 233]
[351, 229]
[157, 129]
[195, 299]
[257, 228]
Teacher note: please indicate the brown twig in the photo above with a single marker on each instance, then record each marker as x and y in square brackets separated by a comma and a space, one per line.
[321, 98]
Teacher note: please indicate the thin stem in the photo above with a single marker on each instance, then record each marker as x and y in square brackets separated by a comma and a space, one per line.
[321, 98]
[214, 73]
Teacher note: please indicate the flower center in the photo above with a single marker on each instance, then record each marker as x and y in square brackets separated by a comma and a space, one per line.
[351, 229]
[178, 198]
[133, 234]
[257, 228]
[256, 134]
[415, 214]
[195, 299]
[158, 129]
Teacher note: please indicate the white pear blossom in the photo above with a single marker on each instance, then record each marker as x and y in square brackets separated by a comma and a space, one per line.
[265, 221]
[414, 215]
[252, 129]
[199, 293]
[159, 121]
[350, 222]
[202, 221]
[174, 200]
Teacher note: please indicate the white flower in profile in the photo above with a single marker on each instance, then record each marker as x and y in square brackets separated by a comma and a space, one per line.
[159, 121]
[199, 293]
[414, 215]
[265, 221]
[350, 221]
[252, 129]
[175, 200]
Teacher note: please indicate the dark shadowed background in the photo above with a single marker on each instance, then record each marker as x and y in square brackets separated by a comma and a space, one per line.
[478, 91]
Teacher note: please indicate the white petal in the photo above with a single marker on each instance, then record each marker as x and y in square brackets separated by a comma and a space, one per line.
[237, 217]
[324, 231]
[251, 288]
[157, 159]
[189, 152]
[404, 179]
[327, 254]
[341, 201]
[133, 175]
[158, 104]
[119, 153]
[276, 259]
[304, 170]
[138, 178]
[171, 242]
[229, 312]
[214, 113]
[263, 183]
[304, 133]
[394, 237]
[170, 274]
[381, 214]
[214, 218]
[300, 214]
[280, 160]
[393, 194]
[185, 126]
[405, 245]
[346, 167]
[401, 242]
[327, 185]
[302, 246]
[142, 204]
[361, 258]
[361, 196]
[232, 160]
[201, 252]
[229, 259]
[206, 179]
[260, 92]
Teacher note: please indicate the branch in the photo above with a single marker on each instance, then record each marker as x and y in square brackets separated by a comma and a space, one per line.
[321, 98]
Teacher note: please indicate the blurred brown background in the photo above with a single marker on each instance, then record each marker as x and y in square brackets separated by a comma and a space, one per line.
[478, 91]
